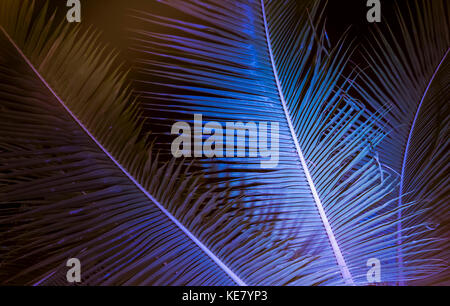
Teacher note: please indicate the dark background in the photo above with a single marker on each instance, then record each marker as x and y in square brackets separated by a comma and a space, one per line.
[110, 16]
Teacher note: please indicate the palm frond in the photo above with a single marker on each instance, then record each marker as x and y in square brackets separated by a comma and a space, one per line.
[411, 74]
[254, 61]
[78, 179]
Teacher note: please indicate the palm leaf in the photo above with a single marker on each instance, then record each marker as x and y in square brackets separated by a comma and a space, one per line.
[78, 179]
[254, 61]
[410, 73]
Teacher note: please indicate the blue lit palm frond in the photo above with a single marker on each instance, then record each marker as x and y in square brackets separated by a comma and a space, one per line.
[411, 74]
[253, 61]
[77, 180]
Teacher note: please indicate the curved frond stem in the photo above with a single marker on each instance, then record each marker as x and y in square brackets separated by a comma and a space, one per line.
[205, 249]
[405, 158]
[336, 249]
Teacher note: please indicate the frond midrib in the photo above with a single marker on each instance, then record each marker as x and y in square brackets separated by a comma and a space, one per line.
[406, 152]
[416, 116]
[348, 279]
[171, 217]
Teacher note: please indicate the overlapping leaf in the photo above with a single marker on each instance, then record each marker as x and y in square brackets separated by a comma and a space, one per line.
[254, 61]
[78, 179]
[411, 74]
